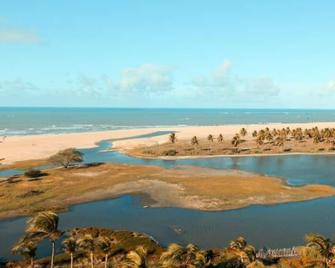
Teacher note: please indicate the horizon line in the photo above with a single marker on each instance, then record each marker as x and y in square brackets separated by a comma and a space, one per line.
[168, 108]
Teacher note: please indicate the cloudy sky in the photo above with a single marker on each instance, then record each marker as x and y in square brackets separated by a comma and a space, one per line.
[168, 53]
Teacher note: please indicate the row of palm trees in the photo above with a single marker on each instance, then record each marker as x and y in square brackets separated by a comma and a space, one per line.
[279, 136]
[44, 225]
[275, 136]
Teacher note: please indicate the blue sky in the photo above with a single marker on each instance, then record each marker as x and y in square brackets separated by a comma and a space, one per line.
[175, 53]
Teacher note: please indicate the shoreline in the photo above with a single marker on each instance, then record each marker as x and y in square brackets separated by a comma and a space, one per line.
[224, 155]
[22, 148]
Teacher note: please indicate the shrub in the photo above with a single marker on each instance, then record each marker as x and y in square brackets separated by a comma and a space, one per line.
[33, 173]
[170, 152]
[67, 157]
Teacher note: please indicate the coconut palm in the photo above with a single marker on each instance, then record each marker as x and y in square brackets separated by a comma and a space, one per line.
[105, 244]
[27, 249]
[70, 247]
[194, 141]
[210, 138]
[259, 140]
[87, 243]
[220, 138]
[319, 243]
[243, 132]
[173, 256]
[236, 140]
[134, 258]
[45, 225]
[177, 256]
[172, 137]
[274, 132]
[246, 252]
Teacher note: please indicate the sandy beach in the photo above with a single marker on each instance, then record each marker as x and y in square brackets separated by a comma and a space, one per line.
[22, 148]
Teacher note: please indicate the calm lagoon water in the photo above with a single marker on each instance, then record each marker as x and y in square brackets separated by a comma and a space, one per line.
[272, 226]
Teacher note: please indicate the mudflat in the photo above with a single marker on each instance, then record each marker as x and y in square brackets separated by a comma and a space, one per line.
[186, 187]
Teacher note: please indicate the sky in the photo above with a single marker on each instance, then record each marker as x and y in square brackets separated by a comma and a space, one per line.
[168, 53]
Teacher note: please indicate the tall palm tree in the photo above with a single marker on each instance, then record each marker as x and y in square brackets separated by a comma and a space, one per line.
[105, 244]
[134, 258]
[177, 256]
[320, 243]
[26, 248]
[236, 140]
[45, 225]
[246, 252]
[172, 137]
[194, 141]
[173, 256]
[243, 132]
[70, 247]
[88, 243]
[220, 138]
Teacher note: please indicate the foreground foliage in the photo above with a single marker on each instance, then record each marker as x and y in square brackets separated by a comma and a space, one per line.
[104, 248]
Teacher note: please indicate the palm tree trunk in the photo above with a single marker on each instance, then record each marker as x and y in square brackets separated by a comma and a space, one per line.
[71, 256]
[52, 254]
[106, 260]
[92, 260]
[32, 262]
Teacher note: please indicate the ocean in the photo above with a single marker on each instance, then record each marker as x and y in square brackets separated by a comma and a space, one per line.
[27, 121]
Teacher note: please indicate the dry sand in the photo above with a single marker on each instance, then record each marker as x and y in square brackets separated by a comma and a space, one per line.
[21, 148]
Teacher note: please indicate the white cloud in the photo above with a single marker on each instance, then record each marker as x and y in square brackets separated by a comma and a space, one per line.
[11, 34]
[223, 83]
[147, 78]
[18, 36]
[328, 89]
[262, 86]
[17, 87]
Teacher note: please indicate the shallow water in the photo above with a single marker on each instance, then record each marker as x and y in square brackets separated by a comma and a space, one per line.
[273, 226]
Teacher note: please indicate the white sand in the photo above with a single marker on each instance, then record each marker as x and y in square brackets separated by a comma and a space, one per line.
[19, 148]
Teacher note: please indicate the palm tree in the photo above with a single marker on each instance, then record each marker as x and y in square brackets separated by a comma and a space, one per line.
[236, 140]
[135, 258]
[87, 243]
[243, 132]
[45, 225]
[246, 252]
[220, 138]
[194, 141]
[26, 248]
[70, 246]
[172, 257]
[105, 244]
[173, 137]
[177, 256]
[319, 243]
[210, 138]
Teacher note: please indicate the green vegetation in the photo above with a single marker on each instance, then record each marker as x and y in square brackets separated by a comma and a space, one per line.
[34, 173]
[104, 248]
[67, 157]
[172, 137]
